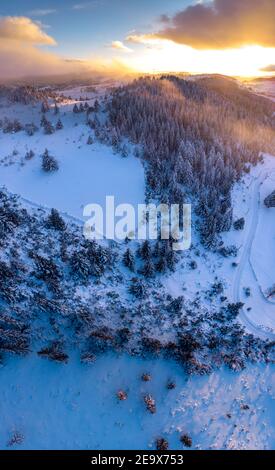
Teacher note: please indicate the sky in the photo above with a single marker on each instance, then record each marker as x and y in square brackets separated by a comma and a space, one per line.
[234, 37]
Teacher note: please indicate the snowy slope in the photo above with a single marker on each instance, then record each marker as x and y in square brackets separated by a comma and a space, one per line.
[75, 407]
[87, 173]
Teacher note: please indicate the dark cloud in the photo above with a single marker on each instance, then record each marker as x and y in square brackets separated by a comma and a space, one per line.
[223, 24]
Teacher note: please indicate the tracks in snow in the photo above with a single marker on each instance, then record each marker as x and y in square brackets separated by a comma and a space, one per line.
[255, 329]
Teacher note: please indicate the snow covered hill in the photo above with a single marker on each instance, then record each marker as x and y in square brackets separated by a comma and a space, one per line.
[92, 319]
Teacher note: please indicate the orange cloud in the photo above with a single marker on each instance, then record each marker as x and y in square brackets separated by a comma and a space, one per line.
[120, 46]
[141, 38]
[222, 24]
[21, 28]
[21, 55]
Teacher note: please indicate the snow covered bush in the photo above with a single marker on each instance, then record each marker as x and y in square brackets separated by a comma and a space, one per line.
[48, 271]
[54, 352]
[30, 129]
[137, 288]
[270, 200]
[121, 395]
[14, 337]
[55, 221]
[150, 404]
[227, 251]
[59, 125]
[29, 155]
[17, 438]
[239, 224]
[186, 440]
[162, 444]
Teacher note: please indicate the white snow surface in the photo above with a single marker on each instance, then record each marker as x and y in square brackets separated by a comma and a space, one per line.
[263, 248]
[75, 407]
[256, 243]
[87, 173]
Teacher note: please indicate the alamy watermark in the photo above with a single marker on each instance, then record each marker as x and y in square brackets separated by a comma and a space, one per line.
[143, 222]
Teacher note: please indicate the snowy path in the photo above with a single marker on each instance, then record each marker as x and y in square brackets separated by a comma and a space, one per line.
[256, 329]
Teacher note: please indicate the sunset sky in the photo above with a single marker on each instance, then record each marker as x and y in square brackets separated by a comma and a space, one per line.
[234, 37]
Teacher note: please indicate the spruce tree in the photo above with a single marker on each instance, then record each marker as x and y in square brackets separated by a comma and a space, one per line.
[59, 125]
[44, 107]
[148, 269]
[145, 250]
[96, 106]
[49, 164]
[161, 265]
[129, 260]
[48, 128]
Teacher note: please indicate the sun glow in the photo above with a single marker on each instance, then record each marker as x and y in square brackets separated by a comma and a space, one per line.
[166, 56]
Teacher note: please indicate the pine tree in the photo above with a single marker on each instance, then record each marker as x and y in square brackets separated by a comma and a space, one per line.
[136, 152]
[96, 106]
[90, 140]
[59, 125]
[148, 269]
[157, 250]
[80, 265]
[49, 164]
[124, 151]
[43, 121]
[171, 259]
[161, 265]
[129, 260]
[31, 129]
[75, 109]
[145, 250]
[44, 107]
[48, 128]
